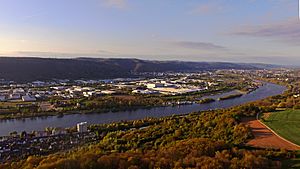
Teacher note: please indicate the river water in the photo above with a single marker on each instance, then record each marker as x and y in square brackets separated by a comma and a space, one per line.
[30, 124]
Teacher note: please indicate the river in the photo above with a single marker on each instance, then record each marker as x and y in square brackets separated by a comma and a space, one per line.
[30, 124]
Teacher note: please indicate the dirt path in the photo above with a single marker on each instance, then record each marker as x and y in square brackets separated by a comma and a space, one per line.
[264, 137]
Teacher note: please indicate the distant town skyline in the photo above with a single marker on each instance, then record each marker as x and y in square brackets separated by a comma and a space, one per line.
[196, 30]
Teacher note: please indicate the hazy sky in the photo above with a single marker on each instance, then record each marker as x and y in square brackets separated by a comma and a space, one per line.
[196, 30]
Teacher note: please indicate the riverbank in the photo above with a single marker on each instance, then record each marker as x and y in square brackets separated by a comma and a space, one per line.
[30, 124]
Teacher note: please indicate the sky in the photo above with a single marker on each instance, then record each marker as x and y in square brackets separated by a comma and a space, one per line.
[260, 31]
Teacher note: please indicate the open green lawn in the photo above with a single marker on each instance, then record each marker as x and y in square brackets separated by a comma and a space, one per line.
[286, 124]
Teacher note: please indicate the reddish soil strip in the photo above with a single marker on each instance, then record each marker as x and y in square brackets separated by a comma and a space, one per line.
[265, 138]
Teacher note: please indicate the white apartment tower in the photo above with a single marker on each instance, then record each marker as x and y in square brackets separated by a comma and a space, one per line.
[82, 127]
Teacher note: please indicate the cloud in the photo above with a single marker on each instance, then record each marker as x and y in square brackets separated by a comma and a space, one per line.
[280, 60]
[207, 8]
[62, 54]
[198, 45]
[285, 31]
[121, 4]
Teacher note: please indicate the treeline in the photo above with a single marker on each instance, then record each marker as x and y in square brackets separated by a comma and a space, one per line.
[189, 153]
[231, 96]
[121, 102]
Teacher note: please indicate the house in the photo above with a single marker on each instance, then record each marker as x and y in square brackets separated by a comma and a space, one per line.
[28, 98]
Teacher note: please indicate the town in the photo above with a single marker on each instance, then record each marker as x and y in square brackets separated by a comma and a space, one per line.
[20, 145]
[60, 97]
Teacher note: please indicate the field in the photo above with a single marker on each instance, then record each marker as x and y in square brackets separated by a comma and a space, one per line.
[265, 138]
[286, 124]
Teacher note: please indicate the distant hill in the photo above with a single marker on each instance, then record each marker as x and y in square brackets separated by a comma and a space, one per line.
[30, 69]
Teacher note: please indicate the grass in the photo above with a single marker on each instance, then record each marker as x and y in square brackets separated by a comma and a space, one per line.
[286, 124]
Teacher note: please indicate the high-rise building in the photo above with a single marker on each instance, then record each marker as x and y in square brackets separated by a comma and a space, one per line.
[82, 127]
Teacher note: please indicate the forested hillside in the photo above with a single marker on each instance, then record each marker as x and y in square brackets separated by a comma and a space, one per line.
[30, 69]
